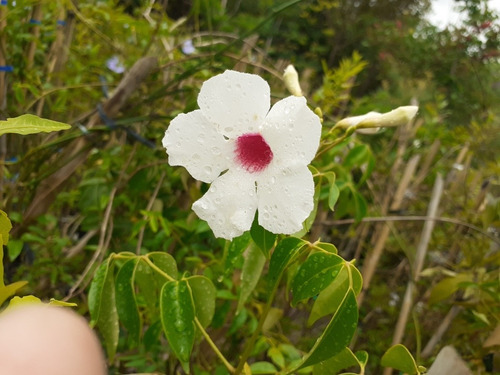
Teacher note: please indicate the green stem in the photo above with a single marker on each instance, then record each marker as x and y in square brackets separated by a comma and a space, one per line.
[157, 269]
[214, 347]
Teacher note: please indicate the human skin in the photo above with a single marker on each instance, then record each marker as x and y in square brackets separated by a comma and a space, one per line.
[48, 340]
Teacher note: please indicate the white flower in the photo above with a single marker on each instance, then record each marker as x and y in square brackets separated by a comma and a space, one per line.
[255, 157]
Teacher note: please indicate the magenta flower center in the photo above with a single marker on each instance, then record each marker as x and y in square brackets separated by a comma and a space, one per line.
[253, 152]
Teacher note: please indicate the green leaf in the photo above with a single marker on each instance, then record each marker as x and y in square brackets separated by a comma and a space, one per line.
[285, 251]
[356, 156]
[149, 286]
[14, 249]
[399, 358]
[276, 356]
[262, 238]
[331, 297]
[333, 191]
[356, 279]
[361, 207]
[126, 304]
[102, 306]
[30, 124]
[203, 292]
[5, 227]
[9, 290]
[314, 275]
[326, 247]
[263, 368]
[447, 287]
[250, 274]
[177, 318]
[235, 250]
[165, 262]
[338, 333]
[332, 366]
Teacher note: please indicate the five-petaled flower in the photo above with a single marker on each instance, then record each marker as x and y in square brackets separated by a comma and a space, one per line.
[254, 157]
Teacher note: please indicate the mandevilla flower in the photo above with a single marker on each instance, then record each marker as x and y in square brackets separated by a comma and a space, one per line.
[254, 157]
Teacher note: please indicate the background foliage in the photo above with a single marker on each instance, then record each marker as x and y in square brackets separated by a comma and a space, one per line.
[105, 187]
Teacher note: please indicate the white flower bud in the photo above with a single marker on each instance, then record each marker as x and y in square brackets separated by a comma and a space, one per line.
[396, 117]
[291, 78]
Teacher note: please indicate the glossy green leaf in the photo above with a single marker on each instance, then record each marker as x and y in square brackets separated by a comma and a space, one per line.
[331, 297]
[338, 333]
[102, 306]
[165, 262]
[326, 247]
[356, 156]
[126, 304]
[314, 275]
[355, 277]
[362, 357]
[30, 124]
[235, 250]
[333, 191]
[203, 292]
[263, 368]
[149, 286]
[177, 318]
[262, 237]
[332, 366]
[285, 251]
[250, 274]
[399, 358]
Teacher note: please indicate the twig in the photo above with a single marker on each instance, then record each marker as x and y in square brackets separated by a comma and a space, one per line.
[438, 334]
[414, 218]
[371, 263]
[418, 264]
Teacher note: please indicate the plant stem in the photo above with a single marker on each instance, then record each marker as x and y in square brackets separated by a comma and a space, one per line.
[157, 269]
[214, 347]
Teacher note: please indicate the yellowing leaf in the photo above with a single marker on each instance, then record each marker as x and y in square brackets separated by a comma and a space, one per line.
[30, 124]
[55, 302]
[9, 290]
[5, 227]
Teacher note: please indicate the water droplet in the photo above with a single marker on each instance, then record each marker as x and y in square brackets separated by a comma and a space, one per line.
[179, 326]
[196, 157]
[208, 170]
[228, 129]
[216, 150]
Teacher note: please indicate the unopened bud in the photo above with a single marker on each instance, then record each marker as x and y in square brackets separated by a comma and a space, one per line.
[396, 117]
[291, 78]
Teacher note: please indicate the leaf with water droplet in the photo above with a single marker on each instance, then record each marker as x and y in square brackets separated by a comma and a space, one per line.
[102, 306]
[285, 252]
[203, 292]
[262, 237]
[126, 303]
[315, 274]
[338, 333]
[235, 251]
[177, 318]
[250, 274]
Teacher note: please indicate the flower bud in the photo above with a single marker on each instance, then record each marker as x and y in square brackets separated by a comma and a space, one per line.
[291, 78]
[396, 117]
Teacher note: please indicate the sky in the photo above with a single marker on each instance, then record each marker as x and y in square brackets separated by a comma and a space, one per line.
[443, 12]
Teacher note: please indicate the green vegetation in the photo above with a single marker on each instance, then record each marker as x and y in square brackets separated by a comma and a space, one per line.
[100, 218]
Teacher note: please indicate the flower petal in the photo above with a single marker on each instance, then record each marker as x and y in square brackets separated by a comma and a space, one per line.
[286, 198]
[236, 102]
[229, 204]
[292, 131]
[194, 143]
